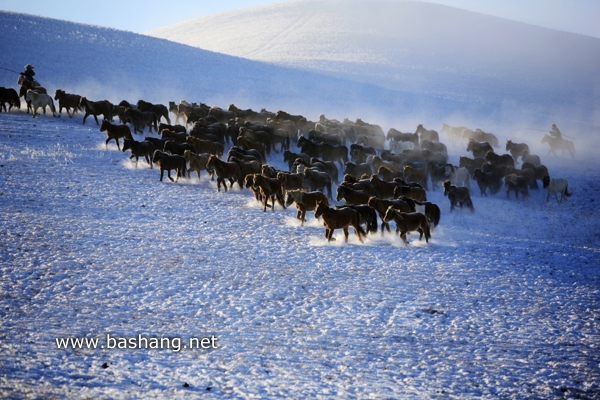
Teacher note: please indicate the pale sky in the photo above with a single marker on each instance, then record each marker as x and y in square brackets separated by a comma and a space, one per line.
[578, 16]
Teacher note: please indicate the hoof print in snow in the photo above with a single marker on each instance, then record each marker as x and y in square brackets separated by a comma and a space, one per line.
[433, 312]
[105, 365]
[208, 388]
[185, 384]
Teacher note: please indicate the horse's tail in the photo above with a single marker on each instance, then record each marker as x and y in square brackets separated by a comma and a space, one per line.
[427, 230]
[359, 229]
[436, 215]
[469, 203]
[372, 225]
[567, 191]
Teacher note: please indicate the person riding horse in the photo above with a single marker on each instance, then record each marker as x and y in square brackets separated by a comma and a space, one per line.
[555, 133]
[28, 73]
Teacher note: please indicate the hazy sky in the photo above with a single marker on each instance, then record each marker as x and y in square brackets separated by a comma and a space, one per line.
[579, 16]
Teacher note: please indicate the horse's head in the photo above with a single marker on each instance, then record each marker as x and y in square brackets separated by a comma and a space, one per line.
[292, 195]
[546, 181]
[127, 143]
[470, 145]
[447, 185]
[389, 214]
[321, 208]
[341, 192]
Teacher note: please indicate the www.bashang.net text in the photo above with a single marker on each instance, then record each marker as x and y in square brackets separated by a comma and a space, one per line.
[175, 344]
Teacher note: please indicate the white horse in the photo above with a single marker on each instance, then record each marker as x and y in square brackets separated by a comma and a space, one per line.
[556, 186]
[399, 147]
[459, 176]
[38, 100]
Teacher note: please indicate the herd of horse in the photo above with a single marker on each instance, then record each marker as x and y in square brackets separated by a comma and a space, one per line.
[377, 183]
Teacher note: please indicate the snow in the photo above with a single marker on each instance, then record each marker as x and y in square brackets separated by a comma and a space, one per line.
[503, 302]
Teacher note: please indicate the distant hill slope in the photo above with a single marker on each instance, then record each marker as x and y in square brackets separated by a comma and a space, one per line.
[103, 63]
[421, 48]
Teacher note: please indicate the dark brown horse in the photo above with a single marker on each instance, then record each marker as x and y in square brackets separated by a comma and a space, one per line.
[168, 162]
[10, 96]
[225, 170]
[339, 219]
[305, 201]
[409, 222]
[67, 101]
[115, 132]
[270, 188]
[382, 205]
[457, 195]
[158, 109]
[139, 149]
[95, 108]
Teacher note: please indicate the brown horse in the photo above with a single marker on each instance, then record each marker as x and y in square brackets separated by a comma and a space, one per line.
[351, 196]
[516, 184]
[270, 188]
[10, 96]
[248, 144]
[225, 170]
[67, 101]
[500, 160]
[382, 205]
[168, 162]
[339, 219]
[139, 149]
[460, 195]
[516, 149]
[95, 108]
[305, 201]
[139, 119]
[479, 149]
[114, 132]
[158, 109]
[409, 222]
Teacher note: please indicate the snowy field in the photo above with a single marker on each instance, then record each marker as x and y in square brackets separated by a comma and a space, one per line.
[503, 302]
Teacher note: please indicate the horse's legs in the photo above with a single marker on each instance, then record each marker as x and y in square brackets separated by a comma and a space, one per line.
[169, 175]
[161, 173]
[96, 118]
[403, 236]
[84, 118]
[346, 234]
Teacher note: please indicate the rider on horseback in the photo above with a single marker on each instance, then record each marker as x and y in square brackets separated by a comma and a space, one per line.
[28, 73]
[555, 133]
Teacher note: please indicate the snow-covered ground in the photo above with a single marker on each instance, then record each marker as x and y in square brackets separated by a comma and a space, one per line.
[503, 302]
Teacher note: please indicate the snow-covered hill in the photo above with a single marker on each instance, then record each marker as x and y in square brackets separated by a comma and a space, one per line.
[496, 66]
[502, 303]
